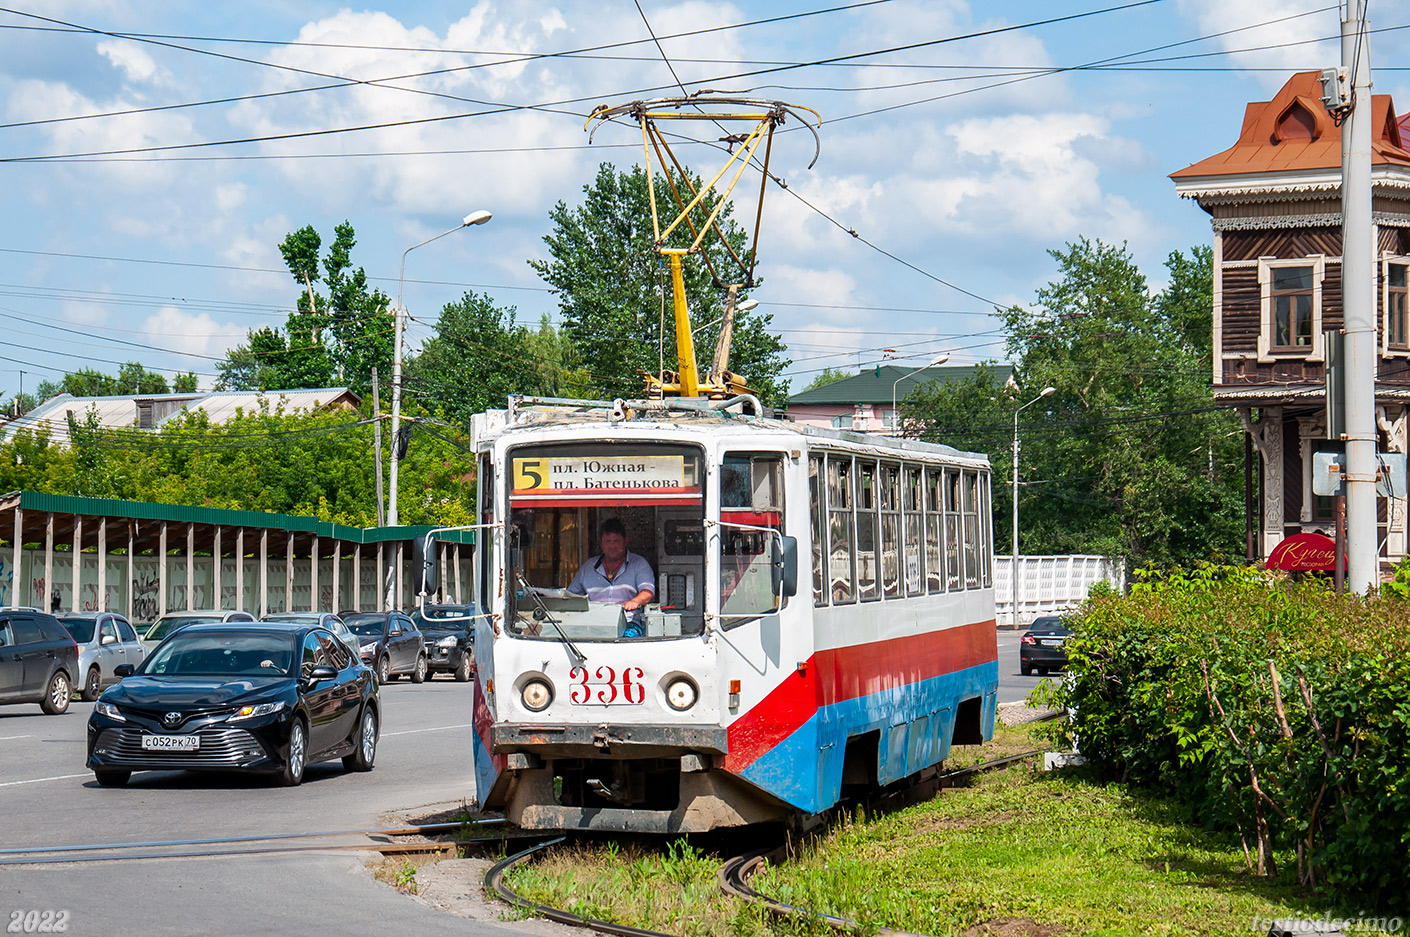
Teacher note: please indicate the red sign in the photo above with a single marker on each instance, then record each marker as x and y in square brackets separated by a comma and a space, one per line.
[1305, 552]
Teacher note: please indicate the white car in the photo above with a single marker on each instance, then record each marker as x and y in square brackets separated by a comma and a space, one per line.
[172, 622]
[105, 640]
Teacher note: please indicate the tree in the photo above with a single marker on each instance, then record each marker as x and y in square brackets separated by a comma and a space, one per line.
[132, 378]
[614, 288]
[828, 376]
[185, 383]
[1130, 457]
[476, 359]
[333, 338]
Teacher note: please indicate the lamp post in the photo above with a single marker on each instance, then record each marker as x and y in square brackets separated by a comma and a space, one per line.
[478, 217]
[937, 360]
[1013, 567]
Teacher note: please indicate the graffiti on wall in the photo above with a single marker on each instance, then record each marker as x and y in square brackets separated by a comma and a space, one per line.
[144, 597]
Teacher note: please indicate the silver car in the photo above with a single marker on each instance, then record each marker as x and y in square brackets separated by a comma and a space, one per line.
[324, 619]
[172, 622]
[105, 640]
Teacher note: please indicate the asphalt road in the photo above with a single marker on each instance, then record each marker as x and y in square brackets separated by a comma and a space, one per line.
[48, 798]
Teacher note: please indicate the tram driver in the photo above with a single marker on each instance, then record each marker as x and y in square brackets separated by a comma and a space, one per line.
[617, 576]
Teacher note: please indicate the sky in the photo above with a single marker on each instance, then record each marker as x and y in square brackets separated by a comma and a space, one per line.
[154, 155]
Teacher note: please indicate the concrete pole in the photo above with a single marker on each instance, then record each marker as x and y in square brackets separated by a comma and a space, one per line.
[357, 578]
[240, 569]
[381, 578]
[16, 544]
[313, 602]
[289, 572]
[217, 561]
[75, 603]
[1359, 303]
[161, 571]
[102, 564]
[337, 576]
[45, 602]
[190, 567]
[264, 572]
[131, 567]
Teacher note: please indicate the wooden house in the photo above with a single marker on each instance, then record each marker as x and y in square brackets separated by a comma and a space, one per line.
[1274, 200]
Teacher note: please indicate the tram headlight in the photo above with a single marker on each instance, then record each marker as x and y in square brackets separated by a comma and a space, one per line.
[681, 694]
[537, 694]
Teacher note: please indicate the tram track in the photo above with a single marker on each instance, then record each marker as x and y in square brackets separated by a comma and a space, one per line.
[733, 876]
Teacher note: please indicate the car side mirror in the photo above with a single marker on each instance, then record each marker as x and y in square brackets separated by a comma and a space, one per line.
[322, 672]
[123, 670]
[107, 639]
[783, 564]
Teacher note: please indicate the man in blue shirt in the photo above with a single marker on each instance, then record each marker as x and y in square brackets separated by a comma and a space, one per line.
[616, 575]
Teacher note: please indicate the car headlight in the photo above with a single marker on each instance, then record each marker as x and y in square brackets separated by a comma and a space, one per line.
[109, 710]
[681, 694]
[367, 648]
[448, 641]
[537, 694]
[261, 709]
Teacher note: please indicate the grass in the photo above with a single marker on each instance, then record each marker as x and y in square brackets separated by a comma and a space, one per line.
[1019, 852]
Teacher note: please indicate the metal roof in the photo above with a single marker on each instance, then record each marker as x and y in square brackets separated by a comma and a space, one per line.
[874, 385]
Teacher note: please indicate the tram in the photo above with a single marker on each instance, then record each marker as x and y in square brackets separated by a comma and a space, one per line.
[816, 618]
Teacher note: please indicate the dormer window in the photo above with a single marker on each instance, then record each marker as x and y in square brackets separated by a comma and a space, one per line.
[1292, 307]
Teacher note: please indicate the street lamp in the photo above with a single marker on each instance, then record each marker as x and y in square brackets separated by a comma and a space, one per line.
[476, 217]
[937, 360]
[1013, 567]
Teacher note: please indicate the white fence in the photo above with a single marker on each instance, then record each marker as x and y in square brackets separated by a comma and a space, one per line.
[1048, 585]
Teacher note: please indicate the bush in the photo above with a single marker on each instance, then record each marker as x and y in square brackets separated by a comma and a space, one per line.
[1278, 709]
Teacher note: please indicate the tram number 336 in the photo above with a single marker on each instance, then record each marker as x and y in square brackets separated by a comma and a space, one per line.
[605, 686]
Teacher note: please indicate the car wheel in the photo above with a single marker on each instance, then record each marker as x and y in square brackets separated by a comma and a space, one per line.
[293, 773]
[365, 745]
[1042, 671]
[419, 674]
[91, 685]
[466, 670]
[112, 778]
[56, 696]
[384, 669]
[1025, 669]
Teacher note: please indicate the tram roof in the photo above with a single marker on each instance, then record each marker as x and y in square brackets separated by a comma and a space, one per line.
[580, 416]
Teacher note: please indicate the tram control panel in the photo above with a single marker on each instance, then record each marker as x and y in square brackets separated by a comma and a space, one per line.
[680, 550]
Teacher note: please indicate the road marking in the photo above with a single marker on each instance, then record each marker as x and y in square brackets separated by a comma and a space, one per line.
[467, 725]
[60, 777]
[6, 738]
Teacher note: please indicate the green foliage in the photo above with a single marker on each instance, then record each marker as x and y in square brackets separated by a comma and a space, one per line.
[132, 378]
[828, 376]
[316, 464]
[614, 288]
[1129, 457]
[333, 338]
[1270, 707]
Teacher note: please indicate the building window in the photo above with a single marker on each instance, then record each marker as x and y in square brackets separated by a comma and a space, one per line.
[1291, 301]
[842, 421]
[1291, 296]
[1397, 329]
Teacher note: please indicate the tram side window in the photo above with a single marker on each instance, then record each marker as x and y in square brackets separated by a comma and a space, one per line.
[970, 496]
[484, 537]
[816, 507]
[953, 558]
[751, 498]
[986, 530]
[911, 505]
[890, 497]
[934, 532]
[868, 578]
[839, 529]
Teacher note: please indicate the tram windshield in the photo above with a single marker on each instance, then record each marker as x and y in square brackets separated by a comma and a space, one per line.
[606, 542]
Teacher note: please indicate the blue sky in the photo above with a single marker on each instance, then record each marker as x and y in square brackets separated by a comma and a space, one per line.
[996, 148]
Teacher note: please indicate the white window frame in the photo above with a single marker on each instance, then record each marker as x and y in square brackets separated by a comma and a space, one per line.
[1388, 258]
[1266, 266]
[839, 418]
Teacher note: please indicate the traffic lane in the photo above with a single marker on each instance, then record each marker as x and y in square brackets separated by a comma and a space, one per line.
[424, 762]
[229, 896]
[1013, 685]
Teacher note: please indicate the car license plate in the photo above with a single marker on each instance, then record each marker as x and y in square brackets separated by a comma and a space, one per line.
[1053, 642]
[171, 743]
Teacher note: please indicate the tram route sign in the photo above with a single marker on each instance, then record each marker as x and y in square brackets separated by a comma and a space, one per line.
[587, 479]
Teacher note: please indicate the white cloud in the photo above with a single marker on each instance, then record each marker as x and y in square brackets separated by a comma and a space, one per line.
[1284, 44]
[135, 64]
[197, 333]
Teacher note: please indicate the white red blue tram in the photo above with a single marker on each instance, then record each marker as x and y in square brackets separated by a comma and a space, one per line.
[739, 696]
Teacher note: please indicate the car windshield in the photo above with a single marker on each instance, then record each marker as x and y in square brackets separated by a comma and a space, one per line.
[368, 625]
[165, 626]
[223, 654]
[81, 629]
[1049, 626]
[445, 618]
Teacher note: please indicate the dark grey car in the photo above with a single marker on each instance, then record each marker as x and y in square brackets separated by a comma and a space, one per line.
[38, 660]
[391, 645]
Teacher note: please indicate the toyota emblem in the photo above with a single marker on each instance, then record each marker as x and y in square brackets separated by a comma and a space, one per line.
[171, 719]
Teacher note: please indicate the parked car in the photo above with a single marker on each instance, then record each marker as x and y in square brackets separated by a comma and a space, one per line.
[106, 640]
[391, 645]
[323, 620]
[1043, 646]
[258, 697]
[38, 660]
[172, 622]
[448, 630]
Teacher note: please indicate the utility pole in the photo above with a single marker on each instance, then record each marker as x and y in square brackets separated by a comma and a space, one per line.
[1359, 305]
[377, 447]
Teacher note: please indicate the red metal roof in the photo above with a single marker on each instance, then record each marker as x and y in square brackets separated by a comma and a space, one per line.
[1294, 132]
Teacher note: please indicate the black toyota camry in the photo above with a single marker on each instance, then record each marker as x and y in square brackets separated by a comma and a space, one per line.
[245, 696]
